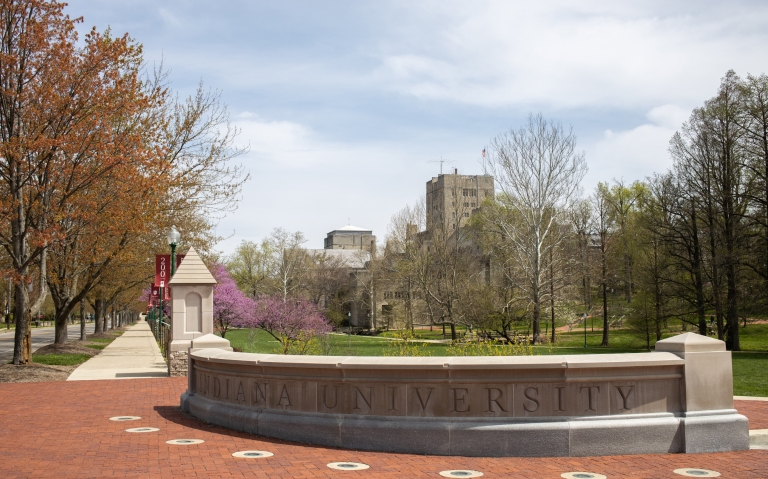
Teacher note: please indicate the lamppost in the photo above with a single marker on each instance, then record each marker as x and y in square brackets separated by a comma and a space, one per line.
[585, 330]
[173, 241]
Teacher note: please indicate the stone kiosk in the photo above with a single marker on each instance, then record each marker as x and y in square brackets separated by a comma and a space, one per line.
[191, 313]
[677, 399]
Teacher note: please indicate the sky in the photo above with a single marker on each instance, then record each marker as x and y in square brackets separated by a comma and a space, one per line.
[347, 107]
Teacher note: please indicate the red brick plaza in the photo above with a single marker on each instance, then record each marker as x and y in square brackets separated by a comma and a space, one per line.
[62, 430]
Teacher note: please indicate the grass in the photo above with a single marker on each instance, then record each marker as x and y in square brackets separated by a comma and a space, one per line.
[749, 378]
[60, 359]
[74, 359]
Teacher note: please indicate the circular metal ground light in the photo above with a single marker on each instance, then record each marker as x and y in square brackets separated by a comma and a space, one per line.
[348, 466]
[694, 472]
[461, 473]
[582, 475]
[252, 454]
[124, 418]
[184, 442]
[142, 429]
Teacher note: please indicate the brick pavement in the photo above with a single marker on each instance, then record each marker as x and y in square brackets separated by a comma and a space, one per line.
[62, 430]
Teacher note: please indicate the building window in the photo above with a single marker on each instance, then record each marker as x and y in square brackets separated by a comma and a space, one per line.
[466, 215]
[454, 214]
[466, 204]
[454, 226]
[473, 205]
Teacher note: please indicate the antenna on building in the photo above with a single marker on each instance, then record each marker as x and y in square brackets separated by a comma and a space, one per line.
[441, 161]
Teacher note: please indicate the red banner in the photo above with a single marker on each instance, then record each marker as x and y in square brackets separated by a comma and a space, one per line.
[163, 269]
[154, 295]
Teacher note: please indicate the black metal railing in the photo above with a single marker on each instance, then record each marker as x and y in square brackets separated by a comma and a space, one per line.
[162, 332]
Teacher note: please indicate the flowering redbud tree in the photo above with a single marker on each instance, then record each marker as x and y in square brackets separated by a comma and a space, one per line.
[294, 322]
[230, 305]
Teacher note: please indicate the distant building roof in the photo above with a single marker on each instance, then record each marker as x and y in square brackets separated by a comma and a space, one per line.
[351, 229]
[192, 270]
[350, 258]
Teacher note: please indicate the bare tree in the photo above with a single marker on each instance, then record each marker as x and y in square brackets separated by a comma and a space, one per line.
[289, 260]
[538, 171]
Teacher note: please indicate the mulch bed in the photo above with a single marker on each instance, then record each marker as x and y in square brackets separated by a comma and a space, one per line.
[34, 373]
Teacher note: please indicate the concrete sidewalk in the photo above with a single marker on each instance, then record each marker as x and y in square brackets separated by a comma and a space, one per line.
[133, 355]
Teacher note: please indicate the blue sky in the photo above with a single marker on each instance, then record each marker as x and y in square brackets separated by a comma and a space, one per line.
[346, 105]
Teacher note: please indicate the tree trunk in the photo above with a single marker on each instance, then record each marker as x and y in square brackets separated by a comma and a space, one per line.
[552, 292]
[82, 321]
[21, 346]
[701, 306]
[604, 274]
[61, 332]
[98, 312]
[536, 318]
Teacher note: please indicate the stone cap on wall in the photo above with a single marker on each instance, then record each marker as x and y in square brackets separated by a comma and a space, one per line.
[192, 270]
[462, 362]
[690, 343]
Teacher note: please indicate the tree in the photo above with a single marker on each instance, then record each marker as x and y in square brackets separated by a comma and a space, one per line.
[583, 222]
[289, 260]
[711, 150]
[400, 259]
[252, 268]
[605, 229]
[62, 107]
[447, 265]
[538, 171]
[292, 322]
[230, 305]
[624, 201]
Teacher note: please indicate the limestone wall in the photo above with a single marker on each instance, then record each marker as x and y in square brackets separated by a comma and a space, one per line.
[492, 406]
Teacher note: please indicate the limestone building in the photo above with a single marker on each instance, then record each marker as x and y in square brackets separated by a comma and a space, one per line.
[452, 198]
[349, 249]
[350, 237]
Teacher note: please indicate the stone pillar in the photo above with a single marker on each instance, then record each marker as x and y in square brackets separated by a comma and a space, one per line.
[191, 313]
[710, 422]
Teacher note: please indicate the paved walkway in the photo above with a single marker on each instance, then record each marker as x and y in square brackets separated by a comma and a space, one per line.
[134, 354]
[63, 430]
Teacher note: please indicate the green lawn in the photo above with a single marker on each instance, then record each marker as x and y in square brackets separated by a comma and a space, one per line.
[749, 378]
[60, 359]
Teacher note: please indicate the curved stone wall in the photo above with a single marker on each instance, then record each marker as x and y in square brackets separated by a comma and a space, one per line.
[475, 406]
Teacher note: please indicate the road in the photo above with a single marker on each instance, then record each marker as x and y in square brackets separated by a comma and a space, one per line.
[40, 337]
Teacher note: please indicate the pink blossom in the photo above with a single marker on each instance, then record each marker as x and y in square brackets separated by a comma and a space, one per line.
[230, 305]
[294, 320]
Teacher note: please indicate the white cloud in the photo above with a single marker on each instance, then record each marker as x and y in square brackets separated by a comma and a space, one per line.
[303, 181]
[501, 53]
[635, 153]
